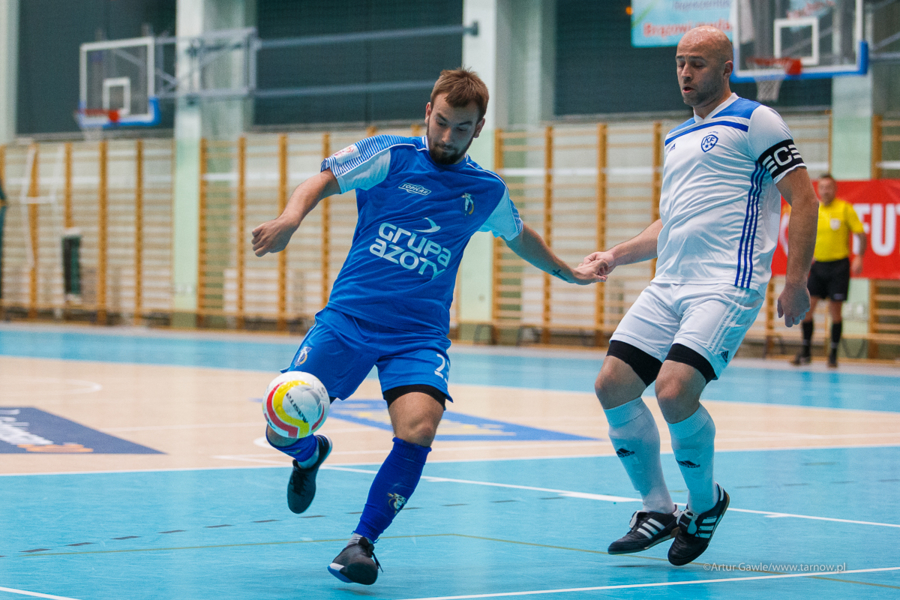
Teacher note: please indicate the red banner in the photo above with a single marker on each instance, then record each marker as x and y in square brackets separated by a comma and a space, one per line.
[877, 204]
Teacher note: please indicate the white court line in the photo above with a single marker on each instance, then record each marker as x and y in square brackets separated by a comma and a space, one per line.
[34, 594]
[214, 426]
[661, 584]
[604, 498]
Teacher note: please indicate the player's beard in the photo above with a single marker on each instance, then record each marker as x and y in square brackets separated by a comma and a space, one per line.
[446, 158]
[702, 94]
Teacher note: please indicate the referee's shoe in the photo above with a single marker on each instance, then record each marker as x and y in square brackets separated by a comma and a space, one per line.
[695, 531]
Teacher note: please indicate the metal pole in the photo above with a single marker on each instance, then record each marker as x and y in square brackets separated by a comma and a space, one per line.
[33, 230]
[600, 288]
[202, 241]
[281, 324]
[3, 207]
[496, 271]
[138, 231]
[102, 232]
[241, 224]
[877, 146]
[657, 180]
[548, 230]
[326, 229]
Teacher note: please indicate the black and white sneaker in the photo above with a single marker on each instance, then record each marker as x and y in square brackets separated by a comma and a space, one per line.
[801, 359]
[302, 484]
[647, 530]
[356, 563]
[695, 531]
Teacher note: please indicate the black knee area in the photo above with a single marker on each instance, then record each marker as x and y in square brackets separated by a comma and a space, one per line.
[684, 355]
[645, 366]
[394, 393]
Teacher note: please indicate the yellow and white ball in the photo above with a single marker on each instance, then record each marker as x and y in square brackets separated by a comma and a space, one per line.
[296, 404]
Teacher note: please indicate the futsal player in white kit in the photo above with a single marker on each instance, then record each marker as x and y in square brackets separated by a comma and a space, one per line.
[724, 173]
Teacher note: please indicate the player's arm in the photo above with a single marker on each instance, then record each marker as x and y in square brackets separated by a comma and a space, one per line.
[856, 227]
[639, 248]
[531, 247]
[857, 266]
[793, 303]
[274, 235]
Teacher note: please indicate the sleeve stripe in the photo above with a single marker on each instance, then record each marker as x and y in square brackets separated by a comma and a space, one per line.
[366, 149]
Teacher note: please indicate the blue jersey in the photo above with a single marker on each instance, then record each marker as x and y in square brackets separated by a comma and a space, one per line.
[415, 219]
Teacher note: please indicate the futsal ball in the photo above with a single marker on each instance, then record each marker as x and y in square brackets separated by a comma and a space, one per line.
[296, 404]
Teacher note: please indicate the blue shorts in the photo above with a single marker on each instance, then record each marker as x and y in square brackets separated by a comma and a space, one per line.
[341, 350]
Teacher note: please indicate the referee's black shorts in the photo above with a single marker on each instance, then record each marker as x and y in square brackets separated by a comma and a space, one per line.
[830, 279]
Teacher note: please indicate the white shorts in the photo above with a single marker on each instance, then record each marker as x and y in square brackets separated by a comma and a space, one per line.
[709, 319]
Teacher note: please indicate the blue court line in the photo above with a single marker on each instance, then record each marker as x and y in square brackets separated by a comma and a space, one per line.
[548, 372]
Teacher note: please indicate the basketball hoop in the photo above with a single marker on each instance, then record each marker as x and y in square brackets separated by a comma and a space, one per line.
[770, 73]
[93, 121]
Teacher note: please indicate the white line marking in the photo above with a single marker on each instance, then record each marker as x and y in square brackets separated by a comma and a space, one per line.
[34, 594]
[79, 386]
[605, 498]
[506, 485]
[248, 458]
[774, 515]
[661, 584]
[168, 427]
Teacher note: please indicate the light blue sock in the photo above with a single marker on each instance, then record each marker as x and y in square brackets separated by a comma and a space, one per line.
[693, 441]
[635, 437]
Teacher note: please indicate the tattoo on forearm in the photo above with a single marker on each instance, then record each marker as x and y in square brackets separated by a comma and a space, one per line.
[559, 274]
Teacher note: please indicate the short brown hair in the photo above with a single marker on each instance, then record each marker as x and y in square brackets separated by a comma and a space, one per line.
[462, 87]
[827, 176]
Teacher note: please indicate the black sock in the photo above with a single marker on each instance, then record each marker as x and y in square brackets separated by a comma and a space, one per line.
[836, 330]
[807, 336]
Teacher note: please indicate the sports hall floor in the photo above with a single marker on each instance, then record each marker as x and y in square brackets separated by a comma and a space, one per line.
[156, 485]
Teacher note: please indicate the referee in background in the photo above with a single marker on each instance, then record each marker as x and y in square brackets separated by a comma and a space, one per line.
[830, 274]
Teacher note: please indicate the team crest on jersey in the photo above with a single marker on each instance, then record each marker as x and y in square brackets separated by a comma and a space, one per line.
[709, 142]
[468, 204]
[304, 354]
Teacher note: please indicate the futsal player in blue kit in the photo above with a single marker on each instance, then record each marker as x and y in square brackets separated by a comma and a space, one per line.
[724, 174]
[420, 200]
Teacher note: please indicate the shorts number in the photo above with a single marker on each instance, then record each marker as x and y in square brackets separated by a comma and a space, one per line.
[440, 370]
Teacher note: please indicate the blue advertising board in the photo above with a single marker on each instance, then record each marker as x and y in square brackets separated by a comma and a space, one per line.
[664, 22]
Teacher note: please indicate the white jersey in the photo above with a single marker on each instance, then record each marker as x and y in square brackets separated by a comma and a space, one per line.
[719, 205]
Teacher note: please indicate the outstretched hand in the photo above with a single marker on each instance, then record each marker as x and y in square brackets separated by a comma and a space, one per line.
[272, 236]
[600, 263]
[586, 274]
[793, 304]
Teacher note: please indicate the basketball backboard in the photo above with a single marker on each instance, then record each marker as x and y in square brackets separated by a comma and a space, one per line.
[118, 76]
[825, 35]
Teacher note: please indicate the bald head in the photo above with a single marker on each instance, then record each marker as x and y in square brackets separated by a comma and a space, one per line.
[704, 61]
[708, 41]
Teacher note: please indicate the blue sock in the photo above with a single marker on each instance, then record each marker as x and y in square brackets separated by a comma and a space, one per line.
[394, 484]
[302, 450]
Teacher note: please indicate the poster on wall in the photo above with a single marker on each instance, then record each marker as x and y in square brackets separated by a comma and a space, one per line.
[664, 22]
[877, 204]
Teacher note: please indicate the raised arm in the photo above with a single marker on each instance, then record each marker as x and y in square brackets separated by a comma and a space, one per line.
[793, 303]
[273, 236]
[531, 247]
[639, 248]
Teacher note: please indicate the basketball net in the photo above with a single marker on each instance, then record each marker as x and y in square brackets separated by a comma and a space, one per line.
[772, 72]
[94, 121]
